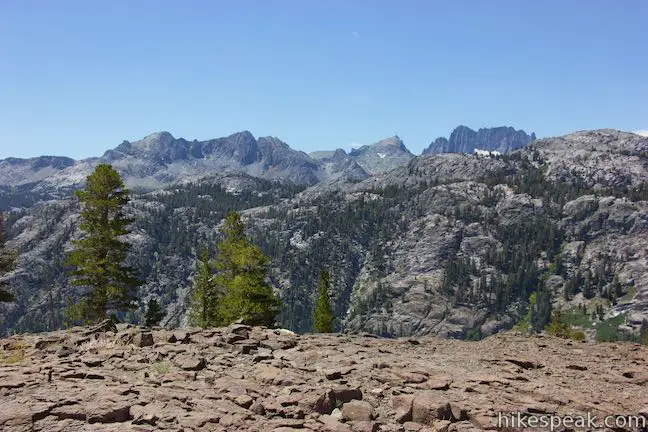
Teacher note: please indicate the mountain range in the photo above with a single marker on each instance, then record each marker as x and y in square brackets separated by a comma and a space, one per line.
[447, 243]
[159, 160]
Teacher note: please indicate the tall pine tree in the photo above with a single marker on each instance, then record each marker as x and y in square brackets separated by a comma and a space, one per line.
[206, 294]
[97, 261]
[242, 271]
[7, 261]
[322, 314]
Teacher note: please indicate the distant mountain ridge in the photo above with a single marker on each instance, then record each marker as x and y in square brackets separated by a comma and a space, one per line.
[466, 140]
[160, 159]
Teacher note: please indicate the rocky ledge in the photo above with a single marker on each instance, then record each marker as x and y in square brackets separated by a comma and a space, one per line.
[239, 378]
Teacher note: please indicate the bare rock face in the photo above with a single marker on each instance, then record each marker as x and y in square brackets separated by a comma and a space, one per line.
[465, 140]
[201, 382]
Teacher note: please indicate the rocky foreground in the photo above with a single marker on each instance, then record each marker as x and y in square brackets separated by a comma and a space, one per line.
[240, 378]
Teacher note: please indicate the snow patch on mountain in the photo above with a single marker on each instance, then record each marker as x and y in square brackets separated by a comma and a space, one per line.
[480, 152]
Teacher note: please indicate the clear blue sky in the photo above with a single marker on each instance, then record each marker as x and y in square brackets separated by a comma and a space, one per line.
[78, 77]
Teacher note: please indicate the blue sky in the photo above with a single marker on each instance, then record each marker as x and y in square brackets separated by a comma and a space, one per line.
[78, 77]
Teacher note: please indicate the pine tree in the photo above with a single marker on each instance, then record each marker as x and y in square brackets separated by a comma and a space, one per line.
[322, 314]
[541, 311]
[154, 313]
[242, 270]
[7, 262]
[97, 262]
[206, 295]
[643, 333]
[588, 292]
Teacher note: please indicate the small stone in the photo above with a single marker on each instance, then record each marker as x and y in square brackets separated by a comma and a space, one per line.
[346, 394]
[289, 399]
[240, 329]
[525, 364]
[459, 412]
[357, 410]
[257, 408]
[324, 404]
[189, 362]
[429, 406]
[239, 325]
[436, 383]
[244, 401]
[333, 375]
[234, 337]
[179, 336]
[65, 351]
[143, 339]
[262, 354]
[576, 367]
[243, 347]
[402, 404]
[148, 414]
[92, 361]
[333, 424]
[412, 426]
[441, 425]
[366, 426]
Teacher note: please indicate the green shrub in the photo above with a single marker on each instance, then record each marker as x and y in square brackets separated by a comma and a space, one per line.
[607, 331]
[577, 335]
[558, 327]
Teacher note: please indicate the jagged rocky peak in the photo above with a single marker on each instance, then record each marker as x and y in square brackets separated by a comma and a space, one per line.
[322, 154]
[274, 141]
[440, 145]
[149, 145]
[154, 141]
[382, 156]
[337, 155]
[244, 137]
[466, 140]
[277, 154]
[394, 141]
[240, 147]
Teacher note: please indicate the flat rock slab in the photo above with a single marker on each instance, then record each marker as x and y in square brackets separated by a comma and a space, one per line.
[244, 378]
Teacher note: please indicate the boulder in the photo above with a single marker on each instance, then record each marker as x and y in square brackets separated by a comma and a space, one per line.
[357, 410]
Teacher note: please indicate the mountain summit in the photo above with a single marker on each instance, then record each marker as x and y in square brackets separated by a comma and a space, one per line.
[382, 156]
[465, 140]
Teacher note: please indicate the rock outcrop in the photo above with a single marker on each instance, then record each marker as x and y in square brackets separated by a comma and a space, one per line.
[256, 379]
[465, 140]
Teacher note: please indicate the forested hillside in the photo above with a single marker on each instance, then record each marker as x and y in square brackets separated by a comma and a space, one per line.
[450, 244]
